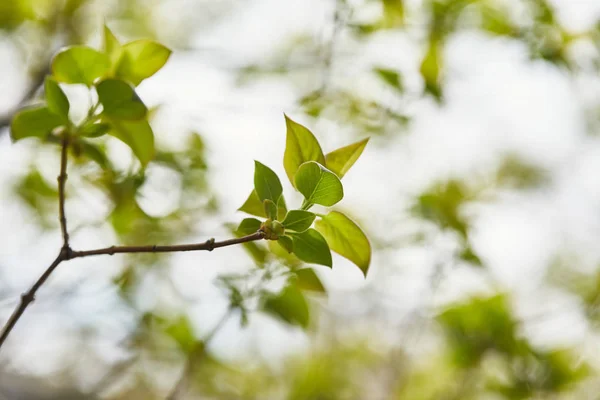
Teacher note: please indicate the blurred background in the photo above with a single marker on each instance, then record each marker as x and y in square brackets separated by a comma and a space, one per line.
[479, 191]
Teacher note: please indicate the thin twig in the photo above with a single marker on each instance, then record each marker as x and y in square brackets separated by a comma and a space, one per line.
[196, 355]
[62, 179]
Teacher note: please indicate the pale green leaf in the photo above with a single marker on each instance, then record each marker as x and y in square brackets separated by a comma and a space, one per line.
[346, 238]
[339, 161]
[266, 183]
[311, 247]
[34, 122]
[140, 60]
[300, 146]
[248, 226]
[80, 64]
[307, 279]
[270, 209]
[253, 206]
[298, 220]
[112, 47]
[318, 184]
[56, 99]
[119, 100]
[137, 135]
[281, 208]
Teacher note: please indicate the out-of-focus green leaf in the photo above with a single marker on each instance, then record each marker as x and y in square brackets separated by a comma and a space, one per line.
[112, 47]
[287, 243]
[140, 60]
[136, 134]
[346, 238]
[311, 247]
[181, 331]
[289, 305]
[248, 226]
[119, 100]
[442, 204]
[34, 122]
[307, 279]
[431, 69]
[56, 99]
[253, 206]
[318, 184]
[266, 183]
[391, 78]
[393, 13]
[341, 160]
[298, 220]
[94, 130]
[300, 146]
[80, 64]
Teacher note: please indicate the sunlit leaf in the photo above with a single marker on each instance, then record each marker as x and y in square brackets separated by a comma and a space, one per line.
[289, 305]
[318, 184]
[311, 247]
[266, 183]
[341, 160]
[298, 220]
[248, 226]
[346, 238]
[112, 47]
[56, 99]
[281, 208]
[34, 122]
[119, 100]
[137, 135]
[253, 206]
[80, 64]
[300, 146]
[270, 209]
[140, 60]
[307, 279]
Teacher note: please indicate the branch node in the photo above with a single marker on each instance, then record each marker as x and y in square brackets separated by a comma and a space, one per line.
[66, 252]
[154, 249]
[210, 243]
[27, 298]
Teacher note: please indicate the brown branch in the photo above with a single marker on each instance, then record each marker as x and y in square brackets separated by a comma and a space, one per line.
[62, 179]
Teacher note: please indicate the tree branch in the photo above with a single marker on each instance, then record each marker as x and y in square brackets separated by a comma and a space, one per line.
[62, 179]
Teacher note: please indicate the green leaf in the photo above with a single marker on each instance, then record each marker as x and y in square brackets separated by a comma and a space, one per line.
[137, 135]
[80, 64]
[391, 77]
[140, 60]
[430, 70]
[310, 246]
[270, 209]
[307, 279]
[339, 161]
[318, 184]
[119, 100]
[94, 130]
[346, 238]
[287, 243]
[112, 47]
[181, 331]
[298, 220]
[253, 206]
[300, 146]
[281, 208]
[34, 122]
[266, 183]
[56, 99]
[289, 305]
[248, 226]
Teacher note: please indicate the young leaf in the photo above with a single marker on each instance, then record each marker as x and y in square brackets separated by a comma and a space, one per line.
[298, 220]
[140, 60]
[270, 209]
[112, 47]
[56, 99]
[287, 243]
[300, 146]
[34, 122]
[430, 70]
[391, 77]
[307, 279]
[289, 305]
[248, 226]
[253, 206]
[182, 332]
[79, 64]
[346, 238]
[137, 135]
[266, 183]
[281, 209]
[94, 130]
[311, 247]
[339, 161]
[318, 184]
[119, 100]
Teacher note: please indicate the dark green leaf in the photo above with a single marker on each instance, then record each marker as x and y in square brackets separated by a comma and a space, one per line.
[287, 243]
[254, 206]
[300, 146]
[346, 238]
[248, 226]
[80, 64]
[34, 122]
[266, 183]
[137, 135]
[318, 184]
[298, 220]
[119, 100]
[289, 305]
[339, 161]
[307, 279]
[56, 99]
[140, 60]
[310, 246]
